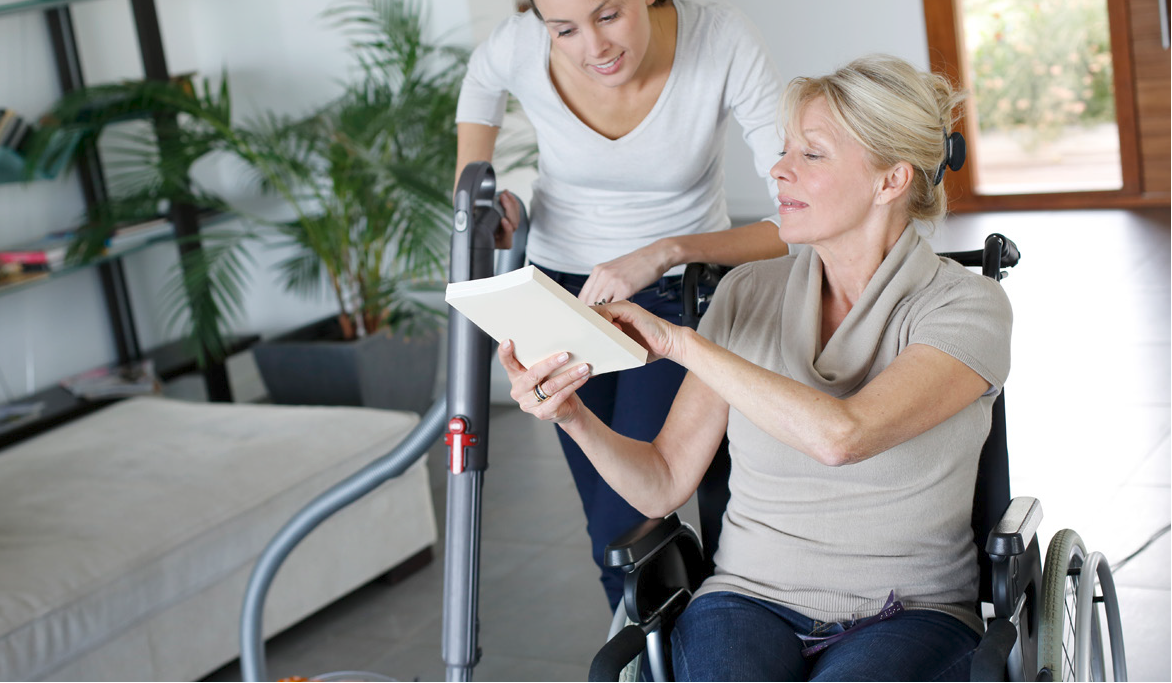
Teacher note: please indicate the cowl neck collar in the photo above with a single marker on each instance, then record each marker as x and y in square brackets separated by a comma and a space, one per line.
[845, 363]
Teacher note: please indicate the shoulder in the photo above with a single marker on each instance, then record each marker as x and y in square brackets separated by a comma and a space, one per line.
[754, 284]
[713, 18]
[520, 33]
[953, 282]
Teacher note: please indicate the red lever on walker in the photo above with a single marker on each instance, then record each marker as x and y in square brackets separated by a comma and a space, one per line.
[458, 439]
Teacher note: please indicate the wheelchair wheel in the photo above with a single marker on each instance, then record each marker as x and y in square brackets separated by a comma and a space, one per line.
[1060, 578]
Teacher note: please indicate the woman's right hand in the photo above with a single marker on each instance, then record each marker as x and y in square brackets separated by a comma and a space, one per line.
[561, 404]
[504, 233]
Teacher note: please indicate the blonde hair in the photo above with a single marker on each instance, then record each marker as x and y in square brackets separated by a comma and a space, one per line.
[896, 112]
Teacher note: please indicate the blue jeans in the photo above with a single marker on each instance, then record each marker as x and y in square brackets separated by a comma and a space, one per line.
[634, 403]
[731, 637]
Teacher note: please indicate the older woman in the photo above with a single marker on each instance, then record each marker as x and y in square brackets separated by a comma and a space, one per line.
[855, 380]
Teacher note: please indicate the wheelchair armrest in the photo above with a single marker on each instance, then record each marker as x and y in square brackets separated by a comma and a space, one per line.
[642, 542]
[1018, 525]
[993, 652]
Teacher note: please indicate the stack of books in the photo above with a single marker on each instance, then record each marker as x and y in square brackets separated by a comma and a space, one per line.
[35, 258]
[15, 131]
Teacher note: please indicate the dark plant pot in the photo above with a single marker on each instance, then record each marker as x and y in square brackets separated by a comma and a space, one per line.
[312, 366]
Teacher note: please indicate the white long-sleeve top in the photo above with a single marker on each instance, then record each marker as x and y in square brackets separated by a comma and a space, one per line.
[596, 199]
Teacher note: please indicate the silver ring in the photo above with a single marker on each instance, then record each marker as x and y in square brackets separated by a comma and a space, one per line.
[599, 303]
[541, 395]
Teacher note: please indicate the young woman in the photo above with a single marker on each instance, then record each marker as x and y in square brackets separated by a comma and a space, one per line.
[630, 101]
[855, 381]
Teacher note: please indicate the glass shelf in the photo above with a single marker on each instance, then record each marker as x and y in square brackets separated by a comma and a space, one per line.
[28, 5]
[13, 284]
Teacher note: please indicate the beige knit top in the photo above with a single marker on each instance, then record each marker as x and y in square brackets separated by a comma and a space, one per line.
[832, 543]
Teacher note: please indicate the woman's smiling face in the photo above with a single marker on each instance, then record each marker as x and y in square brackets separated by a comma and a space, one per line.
[607, 40]
[826, 182]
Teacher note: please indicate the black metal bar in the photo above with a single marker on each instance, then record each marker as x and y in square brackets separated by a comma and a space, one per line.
[93, 187]
[185, 217]
[150, 40]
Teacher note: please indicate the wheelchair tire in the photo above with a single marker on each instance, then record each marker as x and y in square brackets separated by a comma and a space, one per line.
[1056, 640]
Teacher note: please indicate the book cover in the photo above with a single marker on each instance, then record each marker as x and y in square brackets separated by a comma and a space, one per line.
[542, 319]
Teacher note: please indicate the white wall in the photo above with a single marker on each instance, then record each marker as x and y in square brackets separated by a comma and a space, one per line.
[282, 56]
[813, 38]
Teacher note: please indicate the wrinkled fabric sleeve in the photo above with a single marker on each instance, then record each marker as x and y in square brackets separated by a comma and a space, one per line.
[485, 91]
[972, 322]
[753, 92]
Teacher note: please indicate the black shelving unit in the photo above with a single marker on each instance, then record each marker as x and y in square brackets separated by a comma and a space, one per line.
[170, 361]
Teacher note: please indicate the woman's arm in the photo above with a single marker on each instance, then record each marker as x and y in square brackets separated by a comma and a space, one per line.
[475, 142]
[920, 389]
[622, 277]
[655, 478]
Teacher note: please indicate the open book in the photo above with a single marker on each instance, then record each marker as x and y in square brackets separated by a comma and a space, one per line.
[542, 319]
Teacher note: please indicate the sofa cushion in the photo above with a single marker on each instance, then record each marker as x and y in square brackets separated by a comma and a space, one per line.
[109, 520]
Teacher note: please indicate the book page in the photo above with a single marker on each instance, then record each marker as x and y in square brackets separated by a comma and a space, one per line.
[543, 319]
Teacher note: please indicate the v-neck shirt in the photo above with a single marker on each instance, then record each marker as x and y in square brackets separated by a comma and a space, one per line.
[595, 198]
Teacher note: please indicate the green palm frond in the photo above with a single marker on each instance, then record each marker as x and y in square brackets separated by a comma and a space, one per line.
[368, 176]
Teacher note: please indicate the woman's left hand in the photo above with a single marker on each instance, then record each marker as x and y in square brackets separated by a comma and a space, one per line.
[560, 404]
[621, 278]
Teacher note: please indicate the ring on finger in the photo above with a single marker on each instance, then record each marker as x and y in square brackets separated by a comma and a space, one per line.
[602, 301]
[541, 395]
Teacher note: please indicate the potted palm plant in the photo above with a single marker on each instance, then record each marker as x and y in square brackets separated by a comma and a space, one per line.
[367, 177]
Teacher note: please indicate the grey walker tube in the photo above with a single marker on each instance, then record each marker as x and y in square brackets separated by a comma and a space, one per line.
[469, 351]
[357, 485]
[469, 357]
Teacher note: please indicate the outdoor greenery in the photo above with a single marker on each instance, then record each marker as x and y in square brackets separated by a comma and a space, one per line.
[1038, 67]
[368, 178]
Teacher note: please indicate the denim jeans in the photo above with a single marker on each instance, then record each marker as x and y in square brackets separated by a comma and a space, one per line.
[634, 403]
[726, 636]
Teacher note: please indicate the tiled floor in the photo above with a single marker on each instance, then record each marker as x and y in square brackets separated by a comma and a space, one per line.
[1089, 430]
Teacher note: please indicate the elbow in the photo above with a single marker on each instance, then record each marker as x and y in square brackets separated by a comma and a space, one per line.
[661, 507]
[839, 444]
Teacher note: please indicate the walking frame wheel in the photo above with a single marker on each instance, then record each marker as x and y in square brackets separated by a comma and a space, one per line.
[1071, 637]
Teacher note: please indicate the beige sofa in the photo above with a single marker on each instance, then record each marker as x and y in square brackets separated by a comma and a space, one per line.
[127, 537]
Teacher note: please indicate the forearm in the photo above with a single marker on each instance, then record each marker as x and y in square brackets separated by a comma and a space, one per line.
[636, 470]
[474, 142]
[825, 428]
[732, 247]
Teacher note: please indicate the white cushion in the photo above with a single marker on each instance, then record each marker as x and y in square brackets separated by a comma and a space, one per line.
[110, 520]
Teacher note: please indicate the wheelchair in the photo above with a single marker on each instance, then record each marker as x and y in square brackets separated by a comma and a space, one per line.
[1045, 621]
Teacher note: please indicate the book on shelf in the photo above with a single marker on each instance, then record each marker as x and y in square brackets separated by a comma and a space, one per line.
[134, 379]
[48, 251]
[15, 130]
[542, 319]
[130, 235]
[8, 119]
